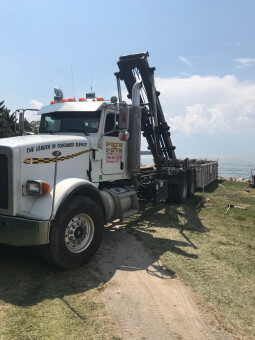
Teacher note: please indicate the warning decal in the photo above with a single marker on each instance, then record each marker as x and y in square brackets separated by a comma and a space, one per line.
[53, 159]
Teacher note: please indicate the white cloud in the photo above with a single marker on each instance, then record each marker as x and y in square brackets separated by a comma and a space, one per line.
[244, 62]
[184, 60]
[208, 105]
[35, 104]
[32, 115]
[184, 74]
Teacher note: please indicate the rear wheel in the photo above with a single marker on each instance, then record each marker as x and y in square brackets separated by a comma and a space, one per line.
[170, 198]
[75, 234]
[180, 192]
[191, 183]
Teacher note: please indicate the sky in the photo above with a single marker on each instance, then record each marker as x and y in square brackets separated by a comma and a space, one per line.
[203, 51]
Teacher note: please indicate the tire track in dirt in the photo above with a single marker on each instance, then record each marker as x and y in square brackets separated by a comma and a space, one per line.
[145, 301]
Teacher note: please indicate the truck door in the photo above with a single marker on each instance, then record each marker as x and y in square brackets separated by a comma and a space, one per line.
[114, 149]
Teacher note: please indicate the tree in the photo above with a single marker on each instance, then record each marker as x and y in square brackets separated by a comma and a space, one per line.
[35, 126]
[7, 122]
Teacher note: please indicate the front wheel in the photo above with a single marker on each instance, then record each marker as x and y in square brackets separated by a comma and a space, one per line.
[75, 234]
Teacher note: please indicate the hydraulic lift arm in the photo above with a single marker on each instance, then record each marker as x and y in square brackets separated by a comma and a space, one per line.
[156, 130]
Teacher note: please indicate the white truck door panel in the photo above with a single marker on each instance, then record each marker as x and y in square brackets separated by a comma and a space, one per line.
[114, 155]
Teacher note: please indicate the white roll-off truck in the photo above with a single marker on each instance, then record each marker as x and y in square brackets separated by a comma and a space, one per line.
[59, 188]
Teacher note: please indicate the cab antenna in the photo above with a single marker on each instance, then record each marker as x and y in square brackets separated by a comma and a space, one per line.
[91, 81]
[72, 80]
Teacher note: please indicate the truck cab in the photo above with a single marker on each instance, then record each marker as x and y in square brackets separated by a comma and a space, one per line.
[59, 188]
[97, 122]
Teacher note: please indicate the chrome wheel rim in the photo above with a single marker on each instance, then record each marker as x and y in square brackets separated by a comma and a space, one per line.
[79, 233]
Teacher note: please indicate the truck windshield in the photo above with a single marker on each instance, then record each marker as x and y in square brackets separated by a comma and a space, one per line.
[85, 121]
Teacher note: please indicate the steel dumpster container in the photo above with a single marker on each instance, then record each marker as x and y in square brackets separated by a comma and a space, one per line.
[206, 171]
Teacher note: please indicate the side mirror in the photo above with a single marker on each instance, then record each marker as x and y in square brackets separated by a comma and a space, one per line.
[114, 100]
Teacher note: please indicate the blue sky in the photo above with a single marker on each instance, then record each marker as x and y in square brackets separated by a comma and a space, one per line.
[203, 52]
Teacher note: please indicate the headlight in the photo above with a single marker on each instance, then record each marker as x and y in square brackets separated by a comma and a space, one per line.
[37, 188]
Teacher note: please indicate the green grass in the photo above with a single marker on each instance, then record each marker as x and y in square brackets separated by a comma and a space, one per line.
[211, 251]
[38, 301]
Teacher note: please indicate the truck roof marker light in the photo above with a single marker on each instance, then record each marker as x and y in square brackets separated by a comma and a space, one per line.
[82, 99]
[45, 188]
[53, 102]
[99, 99]
[70, 99]
[63, 100]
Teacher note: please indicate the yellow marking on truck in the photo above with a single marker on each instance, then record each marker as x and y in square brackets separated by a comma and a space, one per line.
[53, 159]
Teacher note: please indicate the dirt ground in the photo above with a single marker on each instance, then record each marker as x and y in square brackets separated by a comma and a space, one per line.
[146, 302]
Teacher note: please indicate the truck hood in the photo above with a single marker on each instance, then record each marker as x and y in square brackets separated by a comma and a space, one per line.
[33, 158]
[43, 141]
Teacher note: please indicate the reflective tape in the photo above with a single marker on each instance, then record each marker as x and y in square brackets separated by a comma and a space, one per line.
[53, 160]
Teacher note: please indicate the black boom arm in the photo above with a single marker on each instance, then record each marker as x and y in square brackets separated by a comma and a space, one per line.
[156, 130]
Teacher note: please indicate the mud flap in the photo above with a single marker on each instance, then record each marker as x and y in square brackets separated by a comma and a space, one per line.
[161, 190]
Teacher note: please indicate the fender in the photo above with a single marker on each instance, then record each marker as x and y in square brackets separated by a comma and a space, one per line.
[64, 191]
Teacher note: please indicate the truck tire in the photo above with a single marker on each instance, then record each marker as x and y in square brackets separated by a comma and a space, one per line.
[76, 234]
[192, 179]
[180, 192]
[170, 198]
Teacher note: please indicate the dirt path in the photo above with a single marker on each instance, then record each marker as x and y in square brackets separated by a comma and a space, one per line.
[144, 301]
